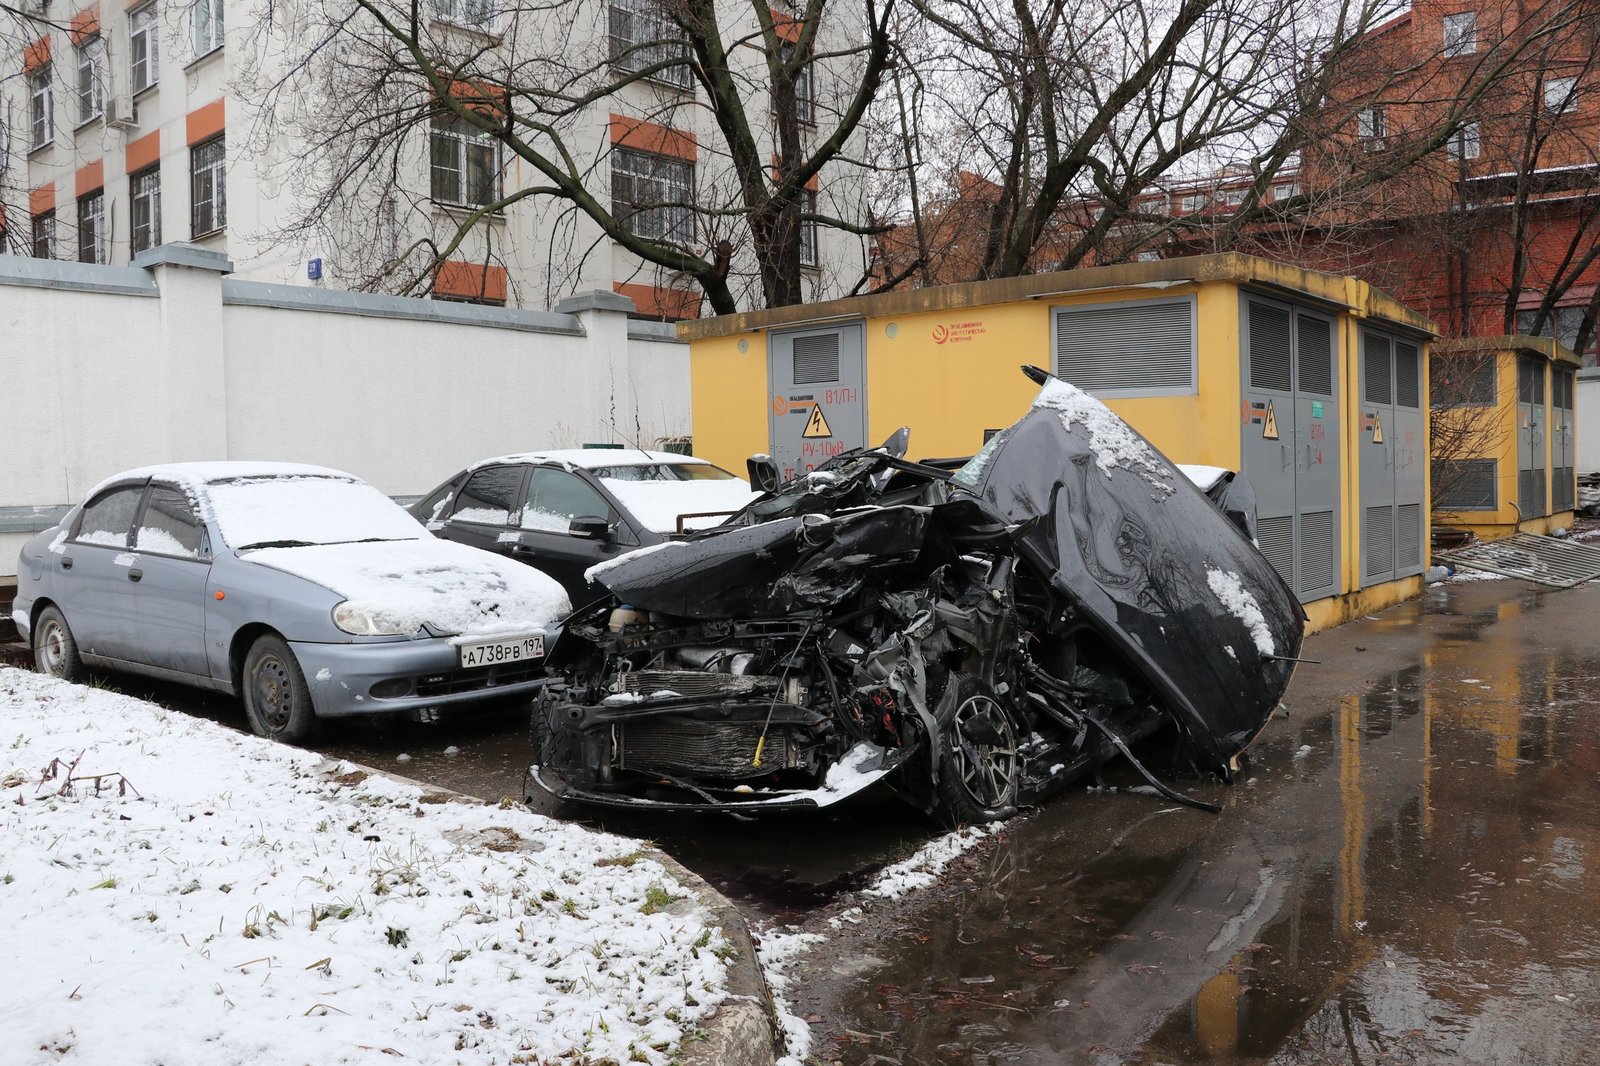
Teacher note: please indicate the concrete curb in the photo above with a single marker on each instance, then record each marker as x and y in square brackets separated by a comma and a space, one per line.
[744, 1031]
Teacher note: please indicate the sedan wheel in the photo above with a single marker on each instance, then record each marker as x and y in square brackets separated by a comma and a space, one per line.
[980, 766]
[276, 698]
[55, 652]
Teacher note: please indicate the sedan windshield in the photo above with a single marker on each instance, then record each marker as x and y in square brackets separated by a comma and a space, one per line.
[664, 472]
[278, 512]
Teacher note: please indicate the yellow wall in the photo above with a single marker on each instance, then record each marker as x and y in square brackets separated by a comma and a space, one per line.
[950, 392]
[1502, 522]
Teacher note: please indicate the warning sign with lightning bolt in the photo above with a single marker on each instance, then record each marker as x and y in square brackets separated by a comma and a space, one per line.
[817, 424]
[1269, 428]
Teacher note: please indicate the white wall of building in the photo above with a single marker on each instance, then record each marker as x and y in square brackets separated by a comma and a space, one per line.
[1587, 413]
[116, 367]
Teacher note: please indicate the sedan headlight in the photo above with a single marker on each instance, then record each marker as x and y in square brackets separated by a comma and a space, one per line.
[361, 621]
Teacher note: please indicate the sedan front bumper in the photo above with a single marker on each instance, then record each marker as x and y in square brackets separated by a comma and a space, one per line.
[384, 677]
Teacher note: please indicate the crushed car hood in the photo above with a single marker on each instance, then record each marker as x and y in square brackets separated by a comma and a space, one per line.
[1159, 569]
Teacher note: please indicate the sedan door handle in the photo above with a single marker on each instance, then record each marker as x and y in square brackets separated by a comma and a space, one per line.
[66, 562]
[135, 574]
[519, 551]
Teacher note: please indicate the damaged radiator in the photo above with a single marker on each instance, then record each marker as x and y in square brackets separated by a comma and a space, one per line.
[693, 683]
[716, 749]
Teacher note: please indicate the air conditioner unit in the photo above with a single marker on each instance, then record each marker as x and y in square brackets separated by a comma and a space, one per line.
[121, 112]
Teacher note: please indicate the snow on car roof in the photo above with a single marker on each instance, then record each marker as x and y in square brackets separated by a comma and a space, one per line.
[193, 475]
[594, 458]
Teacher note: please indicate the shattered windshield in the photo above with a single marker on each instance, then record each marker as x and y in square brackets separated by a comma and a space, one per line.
[970, 476]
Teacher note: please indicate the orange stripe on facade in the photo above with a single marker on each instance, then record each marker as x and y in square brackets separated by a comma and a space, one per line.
[644, 136]
[144, 152]
[36, 55]
[658, 302]
[479, 96]
[473, 281]
[85, 24]
[811, 182]
[42, 199]
[90, 178]
[204, 123]
[787, 27]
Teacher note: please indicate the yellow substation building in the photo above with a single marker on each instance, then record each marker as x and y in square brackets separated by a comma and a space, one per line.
[1314, 385]
[1505, 447]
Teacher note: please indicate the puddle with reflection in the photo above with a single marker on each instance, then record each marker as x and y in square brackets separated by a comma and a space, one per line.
[1409, 877]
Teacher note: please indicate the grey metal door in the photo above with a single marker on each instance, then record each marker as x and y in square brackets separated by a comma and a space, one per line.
[1530, 438]
[1269, 429]
[1316, 424]
[1563, 453]
[96, 591]
[818, 405]
[1291, 450]
[1376, 449]
[1410, 484]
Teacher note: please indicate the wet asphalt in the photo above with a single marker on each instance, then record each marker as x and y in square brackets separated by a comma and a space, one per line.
[1407, 872]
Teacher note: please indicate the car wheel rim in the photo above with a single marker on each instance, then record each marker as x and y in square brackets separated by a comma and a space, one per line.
[985, 752]
[273, 700]
[51, 650]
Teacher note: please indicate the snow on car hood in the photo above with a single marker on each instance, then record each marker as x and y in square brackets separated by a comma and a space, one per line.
[449, 586]
[657, 504]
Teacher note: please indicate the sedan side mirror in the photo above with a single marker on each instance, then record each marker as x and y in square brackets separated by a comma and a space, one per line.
[591, 527]
[763, 472]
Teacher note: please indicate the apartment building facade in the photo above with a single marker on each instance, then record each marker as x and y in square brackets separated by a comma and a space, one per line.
[126, 126]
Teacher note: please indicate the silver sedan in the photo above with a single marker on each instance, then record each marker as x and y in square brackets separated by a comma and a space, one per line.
[301, 589]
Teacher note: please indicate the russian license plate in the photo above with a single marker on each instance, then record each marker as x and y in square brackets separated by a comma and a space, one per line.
[494, 652]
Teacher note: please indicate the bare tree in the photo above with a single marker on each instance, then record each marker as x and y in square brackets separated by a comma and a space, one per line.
[556, 96]
[1465, 420]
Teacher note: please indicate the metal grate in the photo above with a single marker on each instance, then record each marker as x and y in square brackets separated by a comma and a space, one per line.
[1379, 370]
[1468, 484]
[1315, 355]
[816, 358]
[1379, 540]
[1131, 348]
[1408, 537]
[1316, 550]
[1275, 538]
[1542, 560]
[1561, 488]
[1407, 376]
[1269, 347]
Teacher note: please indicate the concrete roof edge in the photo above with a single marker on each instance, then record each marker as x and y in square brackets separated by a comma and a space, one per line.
[1548, 347]
[1221, 266]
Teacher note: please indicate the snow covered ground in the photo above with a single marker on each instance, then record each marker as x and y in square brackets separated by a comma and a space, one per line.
[175, 892]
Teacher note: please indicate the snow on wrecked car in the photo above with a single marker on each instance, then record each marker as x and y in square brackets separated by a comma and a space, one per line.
[973, 640]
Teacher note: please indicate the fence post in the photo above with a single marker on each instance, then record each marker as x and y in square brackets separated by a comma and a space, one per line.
[604, 317]
[192, 350]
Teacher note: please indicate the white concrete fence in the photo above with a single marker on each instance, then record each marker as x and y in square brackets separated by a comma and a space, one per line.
[106, 368]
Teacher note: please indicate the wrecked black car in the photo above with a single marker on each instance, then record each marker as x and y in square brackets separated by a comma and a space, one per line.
[974, 638]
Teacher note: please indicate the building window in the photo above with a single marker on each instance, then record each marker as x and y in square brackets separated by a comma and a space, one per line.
[1560, 95]
[652, 195]
[804, 104]
[44, 235]
[1372, 127]
[1463, 144]
[1233, 197]
[91, 80]
[92, 228]
[1285, 190]
[143, 48]
[43, 113]
[145, 210]
[465, 163]
[1461, 34]
[207, 26]
[642, 35]
[808, 228]
[208, 187]
[478, 14]
[1189, 203]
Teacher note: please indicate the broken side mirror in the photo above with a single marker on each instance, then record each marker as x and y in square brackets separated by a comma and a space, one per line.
[590, 526]
[763, 472]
